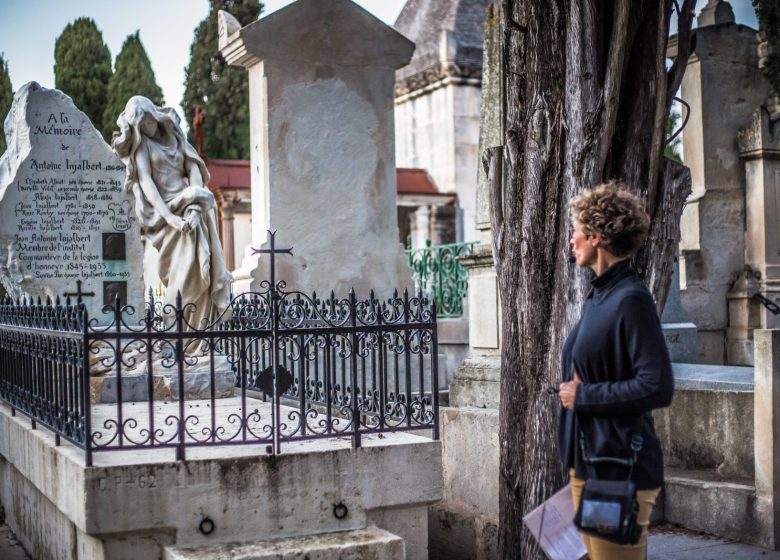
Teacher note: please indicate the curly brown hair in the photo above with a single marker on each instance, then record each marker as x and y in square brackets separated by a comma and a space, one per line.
[617, 214]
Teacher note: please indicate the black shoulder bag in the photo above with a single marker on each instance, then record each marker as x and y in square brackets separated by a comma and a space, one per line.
[608, 509]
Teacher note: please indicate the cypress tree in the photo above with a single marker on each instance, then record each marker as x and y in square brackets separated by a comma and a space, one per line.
[82, 67]
[133, 75]
[6, 97]
[222, 91]
[768, 12]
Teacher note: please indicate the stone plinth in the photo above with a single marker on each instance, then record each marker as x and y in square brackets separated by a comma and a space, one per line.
[321, 75]
[66, 217]
[131, 506]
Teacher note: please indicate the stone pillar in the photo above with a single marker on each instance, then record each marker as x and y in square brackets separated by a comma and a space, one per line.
[321, 89]
[712, 246]
[420, 226]
[744, 316]
[766, 411]
[476, 382]
[443, 224]
[759, 148]
[228, 239]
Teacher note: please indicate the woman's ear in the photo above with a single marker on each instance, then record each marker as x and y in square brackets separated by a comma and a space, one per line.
[595, 239]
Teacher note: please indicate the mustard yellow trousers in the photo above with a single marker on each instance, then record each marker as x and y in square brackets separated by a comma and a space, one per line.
[599, 549]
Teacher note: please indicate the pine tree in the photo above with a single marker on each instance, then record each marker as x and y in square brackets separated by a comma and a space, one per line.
[222, 91]
[82, 67]
[6, 97]
[768, 12]
[133, 75]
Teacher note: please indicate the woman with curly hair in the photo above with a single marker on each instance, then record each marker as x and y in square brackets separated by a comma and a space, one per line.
[615, 363]
[176, 210]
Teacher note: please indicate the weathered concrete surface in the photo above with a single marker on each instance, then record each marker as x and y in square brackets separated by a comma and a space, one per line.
[476, 382]
[360, 544]
[464, 525]
[703, 502]
[144, 501]
[708, 430]
[10, 549]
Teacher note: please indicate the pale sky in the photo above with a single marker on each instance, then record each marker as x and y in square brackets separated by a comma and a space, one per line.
[28, 29]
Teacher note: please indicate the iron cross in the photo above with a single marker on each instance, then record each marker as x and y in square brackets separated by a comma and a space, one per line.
[273, 251]
[79, 294]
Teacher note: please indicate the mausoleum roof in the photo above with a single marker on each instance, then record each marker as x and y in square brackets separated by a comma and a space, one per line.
[448, 35]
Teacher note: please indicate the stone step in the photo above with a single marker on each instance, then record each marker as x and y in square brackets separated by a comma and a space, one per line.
[703, 501]
[358, 544]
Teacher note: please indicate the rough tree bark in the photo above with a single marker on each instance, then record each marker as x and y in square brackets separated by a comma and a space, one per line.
[587, 96]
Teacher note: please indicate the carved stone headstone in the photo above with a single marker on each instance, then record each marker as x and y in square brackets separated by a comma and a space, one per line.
[64, 215]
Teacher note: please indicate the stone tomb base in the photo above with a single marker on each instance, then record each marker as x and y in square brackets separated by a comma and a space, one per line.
[165, 387]
[144, 504]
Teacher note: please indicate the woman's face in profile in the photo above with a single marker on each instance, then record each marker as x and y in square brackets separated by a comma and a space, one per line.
[148, 125]
[581, 246]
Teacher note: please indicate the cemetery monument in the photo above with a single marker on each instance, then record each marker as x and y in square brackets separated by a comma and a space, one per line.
[66, 220]
[322, 145]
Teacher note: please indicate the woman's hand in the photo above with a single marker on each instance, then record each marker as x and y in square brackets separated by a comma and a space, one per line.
[568, 391]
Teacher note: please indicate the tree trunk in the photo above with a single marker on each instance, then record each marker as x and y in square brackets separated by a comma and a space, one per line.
[587, 97]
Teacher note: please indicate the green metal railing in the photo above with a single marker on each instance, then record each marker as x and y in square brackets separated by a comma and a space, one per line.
[438, 273]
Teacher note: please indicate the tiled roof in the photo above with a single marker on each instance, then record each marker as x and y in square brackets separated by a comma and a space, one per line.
[415, 181]
[229, 173]
[235, 173]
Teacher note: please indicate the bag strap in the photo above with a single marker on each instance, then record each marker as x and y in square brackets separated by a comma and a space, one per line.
[592, 462]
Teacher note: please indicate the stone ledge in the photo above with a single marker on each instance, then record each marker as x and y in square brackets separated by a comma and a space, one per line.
[700, 377]
[373, 543]
[729, 508]
[248, 494]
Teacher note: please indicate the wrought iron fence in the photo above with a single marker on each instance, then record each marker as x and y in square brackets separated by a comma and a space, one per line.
[278, 366]
[439, 273]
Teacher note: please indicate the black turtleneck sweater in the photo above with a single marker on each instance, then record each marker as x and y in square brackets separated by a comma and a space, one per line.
[619, 353]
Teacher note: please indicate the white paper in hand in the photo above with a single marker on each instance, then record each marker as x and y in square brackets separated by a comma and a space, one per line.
[552, 525]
